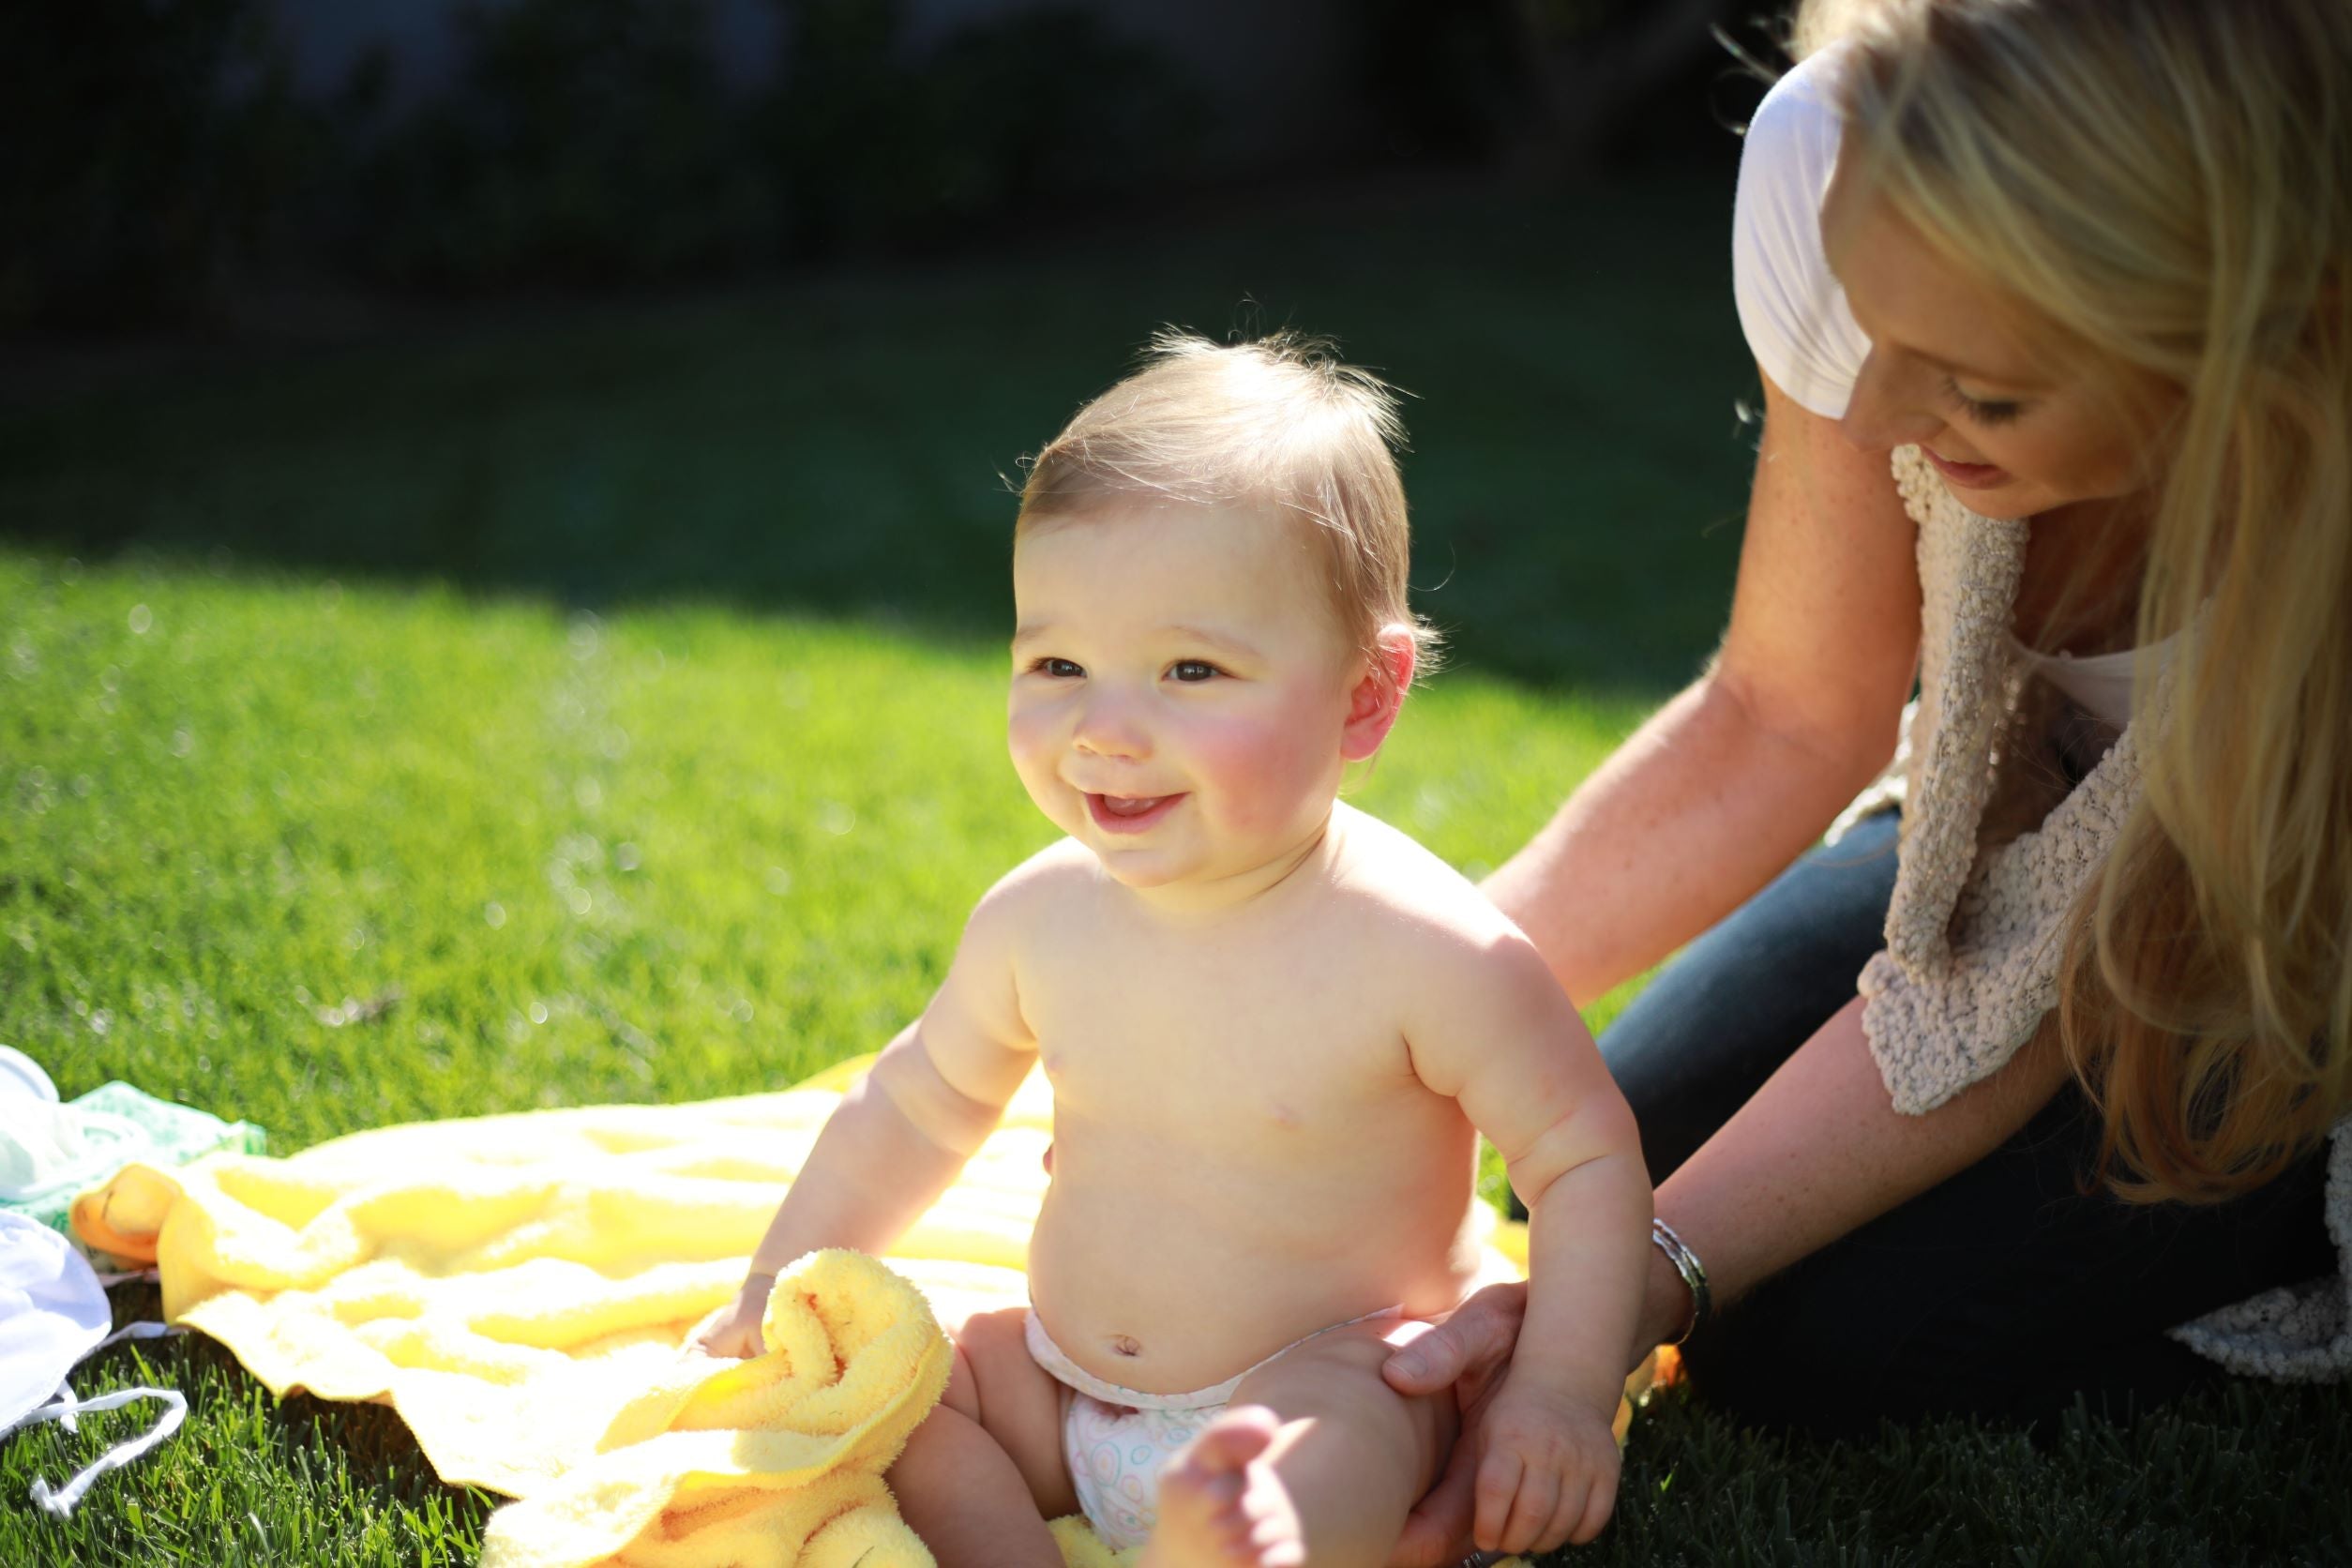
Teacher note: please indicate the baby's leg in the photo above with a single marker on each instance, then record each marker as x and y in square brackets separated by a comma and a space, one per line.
[1316, 1461]
[982, 1473]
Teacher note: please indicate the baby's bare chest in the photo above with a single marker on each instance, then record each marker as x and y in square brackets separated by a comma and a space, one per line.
[1223, 1041]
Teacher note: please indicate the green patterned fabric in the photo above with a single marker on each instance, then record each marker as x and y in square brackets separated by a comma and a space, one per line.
[50, 1154]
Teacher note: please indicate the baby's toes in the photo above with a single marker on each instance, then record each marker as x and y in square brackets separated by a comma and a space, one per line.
[1233, 1440]
[1206, 1514]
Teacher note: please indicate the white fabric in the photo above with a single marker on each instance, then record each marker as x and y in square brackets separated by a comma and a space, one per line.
[2099, 684]
[45, 1149]
[21, 1074]
[1791, 308]
[40, 1140]
[53, 1314]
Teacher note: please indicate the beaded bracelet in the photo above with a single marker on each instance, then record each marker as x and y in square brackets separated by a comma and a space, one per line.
[1686, 1263]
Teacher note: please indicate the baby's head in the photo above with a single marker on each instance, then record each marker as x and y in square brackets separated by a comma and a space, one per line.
[1209, 579]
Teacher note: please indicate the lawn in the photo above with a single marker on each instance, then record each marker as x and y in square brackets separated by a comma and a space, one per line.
[582, 707]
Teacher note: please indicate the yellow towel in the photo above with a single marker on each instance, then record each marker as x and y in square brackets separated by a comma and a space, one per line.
[776, 1460]
[518, 1287]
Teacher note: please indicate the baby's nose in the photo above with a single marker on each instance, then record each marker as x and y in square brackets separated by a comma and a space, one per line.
[1110, 728]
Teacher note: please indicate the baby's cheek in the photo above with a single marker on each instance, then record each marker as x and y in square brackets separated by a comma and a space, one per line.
[1264, 767]
[1028, 735]
[1027, 739]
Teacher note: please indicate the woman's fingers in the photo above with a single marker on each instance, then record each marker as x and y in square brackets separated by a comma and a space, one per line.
[1467, 1352]
[1436, 1532]
[1471, 1341]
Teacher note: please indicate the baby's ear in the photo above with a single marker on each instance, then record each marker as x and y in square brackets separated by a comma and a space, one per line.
[1378, 693]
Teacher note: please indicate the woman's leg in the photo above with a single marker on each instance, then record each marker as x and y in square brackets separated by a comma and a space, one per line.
[2005, 1292]
[1716, 1021]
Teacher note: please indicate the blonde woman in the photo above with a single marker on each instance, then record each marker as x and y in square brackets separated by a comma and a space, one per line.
[2033, 1081]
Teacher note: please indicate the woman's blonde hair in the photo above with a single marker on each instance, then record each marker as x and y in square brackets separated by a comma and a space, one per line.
[1278, 423]
[2169, 183]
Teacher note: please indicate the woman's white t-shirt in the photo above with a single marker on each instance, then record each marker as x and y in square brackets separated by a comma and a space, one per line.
[1795, 314]
[1790, 306]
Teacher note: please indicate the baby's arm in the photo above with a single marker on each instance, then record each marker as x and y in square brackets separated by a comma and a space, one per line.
[902, 1133]
[1500, 1036]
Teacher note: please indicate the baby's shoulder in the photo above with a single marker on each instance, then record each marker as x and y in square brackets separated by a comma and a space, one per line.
[1033, 896]
[1421, 915]
[1061, 871]
[1461, 974]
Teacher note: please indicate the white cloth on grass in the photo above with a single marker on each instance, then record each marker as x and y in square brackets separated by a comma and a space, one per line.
[53, 1315]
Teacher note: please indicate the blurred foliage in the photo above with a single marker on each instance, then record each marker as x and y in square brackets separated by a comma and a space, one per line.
[155, 155]
[1547, 82]
[1457, 90]
[143, 149]
[157, 159]
[593, 141]
[1039, 109]
[570, 122]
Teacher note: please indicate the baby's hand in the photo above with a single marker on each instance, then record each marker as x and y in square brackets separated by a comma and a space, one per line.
[733, 1331]
[1548, 1470]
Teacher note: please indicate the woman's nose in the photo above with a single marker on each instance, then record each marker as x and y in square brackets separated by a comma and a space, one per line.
[1889, 407]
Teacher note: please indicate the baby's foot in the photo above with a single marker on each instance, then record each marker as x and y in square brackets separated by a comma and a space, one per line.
[1221, 1506]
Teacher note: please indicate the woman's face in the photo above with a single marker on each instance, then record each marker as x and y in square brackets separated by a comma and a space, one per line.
[2016, 423]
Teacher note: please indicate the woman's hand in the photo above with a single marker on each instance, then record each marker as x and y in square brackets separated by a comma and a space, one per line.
[1468, 1350]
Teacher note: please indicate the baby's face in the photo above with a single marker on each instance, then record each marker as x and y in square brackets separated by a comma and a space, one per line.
[1180, 687]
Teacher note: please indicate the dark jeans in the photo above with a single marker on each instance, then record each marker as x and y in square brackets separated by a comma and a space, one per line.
[2002, 1293]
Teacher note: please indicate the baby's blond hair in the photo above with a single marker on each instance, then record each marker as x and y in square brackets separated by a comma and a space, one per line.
[1278, 423]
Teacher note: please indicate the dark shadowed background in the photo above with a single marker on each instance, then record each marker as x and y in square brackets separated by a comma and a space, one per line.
[619, 299]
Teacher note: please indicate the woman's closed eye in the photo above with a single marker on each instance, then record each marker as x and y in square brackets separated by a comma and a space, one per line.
[1984, 411]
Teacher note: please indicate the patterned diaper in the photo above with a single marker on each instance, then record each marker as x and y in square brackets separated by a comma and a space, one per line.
[1118, 1440]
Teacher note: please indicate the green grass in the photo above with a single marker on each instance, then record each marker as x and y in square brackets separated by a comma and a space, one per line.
[611, 706]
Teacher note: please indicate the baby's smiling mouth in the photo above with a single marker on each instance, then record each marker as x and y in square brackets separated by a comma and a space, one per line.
[1128, 813]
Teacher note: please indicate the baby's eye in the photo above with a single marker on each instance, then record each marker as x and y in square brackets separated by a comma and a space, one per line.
[1058, 669]
[1192, 670]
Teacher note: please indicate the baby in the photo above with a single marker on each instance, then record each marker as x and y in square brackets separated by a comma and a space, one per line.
[1273, 1025]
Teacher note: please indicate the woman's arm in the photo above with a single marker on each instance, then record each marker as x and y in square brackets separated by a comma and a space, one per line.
[1733, 778]
[1821, 1150]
